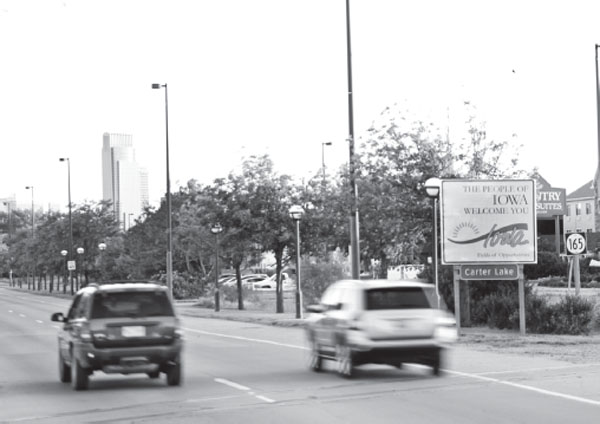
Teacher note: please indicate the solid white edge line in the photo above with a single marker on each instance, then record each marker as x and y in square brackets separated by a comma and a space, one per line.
[458, 373]
[524, 387]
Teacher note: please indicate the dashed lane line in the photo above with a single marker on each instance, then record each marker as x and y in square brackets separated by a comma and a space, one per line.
[243, 388]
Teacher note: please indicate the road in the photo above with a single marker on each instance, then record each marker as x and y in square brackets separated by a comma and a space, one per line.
[248, 373]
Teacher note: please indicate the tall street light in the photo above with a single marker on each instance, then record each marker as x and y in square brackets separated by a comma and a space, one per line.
[216, 230]
[32, 209]
[432, 188]
[323, 144]
[169, 227]
[32, 236]
[64, 253]
[8, 211]
[296, 213]
[71, 252]
[354, 233]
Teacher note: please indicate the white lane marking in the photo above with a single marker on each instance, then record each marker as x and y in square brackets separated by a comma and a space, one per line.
[231, 384]
[248, 339]
[459, 373]
[525, 387]
[39, 321]
[56, 326]
[564, 367]
[10, 311]
[23, 316]
[264, 398]
[243, 388]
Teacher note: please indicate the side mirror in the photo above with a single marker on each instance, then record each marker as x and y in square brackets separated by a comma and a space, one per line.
[317, 309]
[58, 317]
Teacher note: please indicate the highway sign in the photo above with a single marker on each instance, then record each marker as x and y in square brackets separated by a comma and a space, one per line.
[576, 243]
[71, 265]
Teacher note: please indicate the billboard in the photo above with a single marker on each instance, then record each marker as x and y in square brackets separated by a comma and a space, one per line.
[488, 221]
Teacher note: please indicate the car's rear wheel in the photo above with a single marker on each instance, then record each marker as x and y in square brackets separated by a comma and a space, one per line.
[154, 374]
[174, 373]
[64, 371]
[315, 360]
[79, 375]
[344, 360]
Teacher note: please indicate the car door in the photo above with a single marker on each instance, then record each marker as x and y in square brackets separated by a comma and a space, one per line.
[326, 323]
[65, 337]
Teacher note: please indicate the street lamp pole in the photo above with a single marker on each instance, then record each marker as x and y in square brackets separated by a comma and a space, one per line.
[7, 204]
[432, 187]
[216, 229]
[168, 195]
[323, 144]
[32, 210]
[71, 252]
[296, 212]
[32, 237]
[354, 230]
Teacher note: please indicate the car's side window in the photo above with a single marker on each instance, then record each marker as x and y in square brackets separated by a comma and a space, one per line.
[74, 306]
[81, 306]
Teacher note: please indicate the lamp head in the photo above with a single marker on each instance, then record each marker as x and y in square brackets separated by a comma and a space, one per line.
[63, 252]
[102, 246]
[432, 187]
[155, 86]
[296, 212]
[80, 250]
[216, 229]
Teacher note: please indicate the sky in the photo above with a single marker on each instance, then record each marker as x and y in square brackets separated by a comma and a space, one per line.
[270, 77]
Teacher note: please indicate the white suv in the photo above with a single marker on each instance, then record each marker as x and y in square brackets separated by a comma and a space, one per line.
[378, 321]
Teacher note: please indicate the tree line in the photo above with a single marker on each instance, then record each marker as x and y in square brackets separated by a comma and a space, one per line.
[394, 160]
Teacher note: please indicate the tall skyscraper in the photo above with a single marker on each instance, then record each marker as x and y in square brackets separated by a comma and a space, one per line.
[124, 182]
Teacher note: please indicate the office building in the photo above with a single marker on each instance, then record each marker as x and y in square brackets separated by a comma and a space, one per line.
[124, 182]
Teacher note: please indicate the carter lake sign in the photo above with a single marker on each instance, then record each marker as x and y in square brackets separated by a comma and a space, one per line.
[489, 272]
[488, 222]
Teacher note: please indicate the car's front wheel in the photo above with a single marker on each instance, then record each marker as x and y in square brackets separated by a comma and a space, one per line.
[79, 375]
[344, 360]
[64, 371]
[174, 373]
[436, 364]
[315, 360]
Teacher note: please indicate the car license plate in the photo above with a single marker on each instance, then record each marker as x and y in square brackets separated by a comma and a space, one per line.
[133, 331]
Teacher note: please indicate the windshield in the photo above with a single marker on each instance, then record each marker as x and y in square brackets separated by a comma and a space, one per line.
[397, 298]
[131, 304]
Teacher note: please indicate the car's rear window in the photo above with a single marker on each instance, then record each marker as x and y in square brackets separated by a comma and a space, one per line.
[397, 298]
[131, 304]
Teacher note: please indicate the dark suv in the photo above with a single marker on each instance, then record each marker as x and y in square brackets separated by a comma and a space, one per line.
[125, 327]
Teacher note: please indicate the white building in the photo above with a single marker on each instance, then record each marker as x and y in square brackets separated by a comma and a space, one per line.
[124, 182]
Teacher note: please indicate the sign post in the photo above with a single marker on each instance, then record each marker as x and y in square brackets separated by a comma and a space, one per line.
[576, 245]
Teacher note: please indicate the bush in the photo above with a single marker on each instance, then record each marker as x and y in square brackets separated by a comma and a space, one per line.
[317, 277]
[548, 264]
[574, 315]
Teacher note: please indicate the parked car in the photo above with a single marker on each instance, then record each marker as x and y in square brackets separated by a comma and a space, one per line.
[248, 280]
[378, 321]
[124, 327]
[270, 283]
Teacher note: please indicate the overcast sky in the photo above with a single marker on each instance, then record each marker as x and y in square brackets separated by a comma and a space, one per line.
[269, 76]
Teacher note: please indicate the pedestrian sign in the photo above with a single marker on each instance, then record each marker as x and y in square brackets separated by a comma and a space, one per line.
[71, 265]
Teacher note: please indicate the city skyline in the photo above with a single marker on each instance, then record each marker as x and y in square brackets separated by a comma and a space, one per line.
[252, 82]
